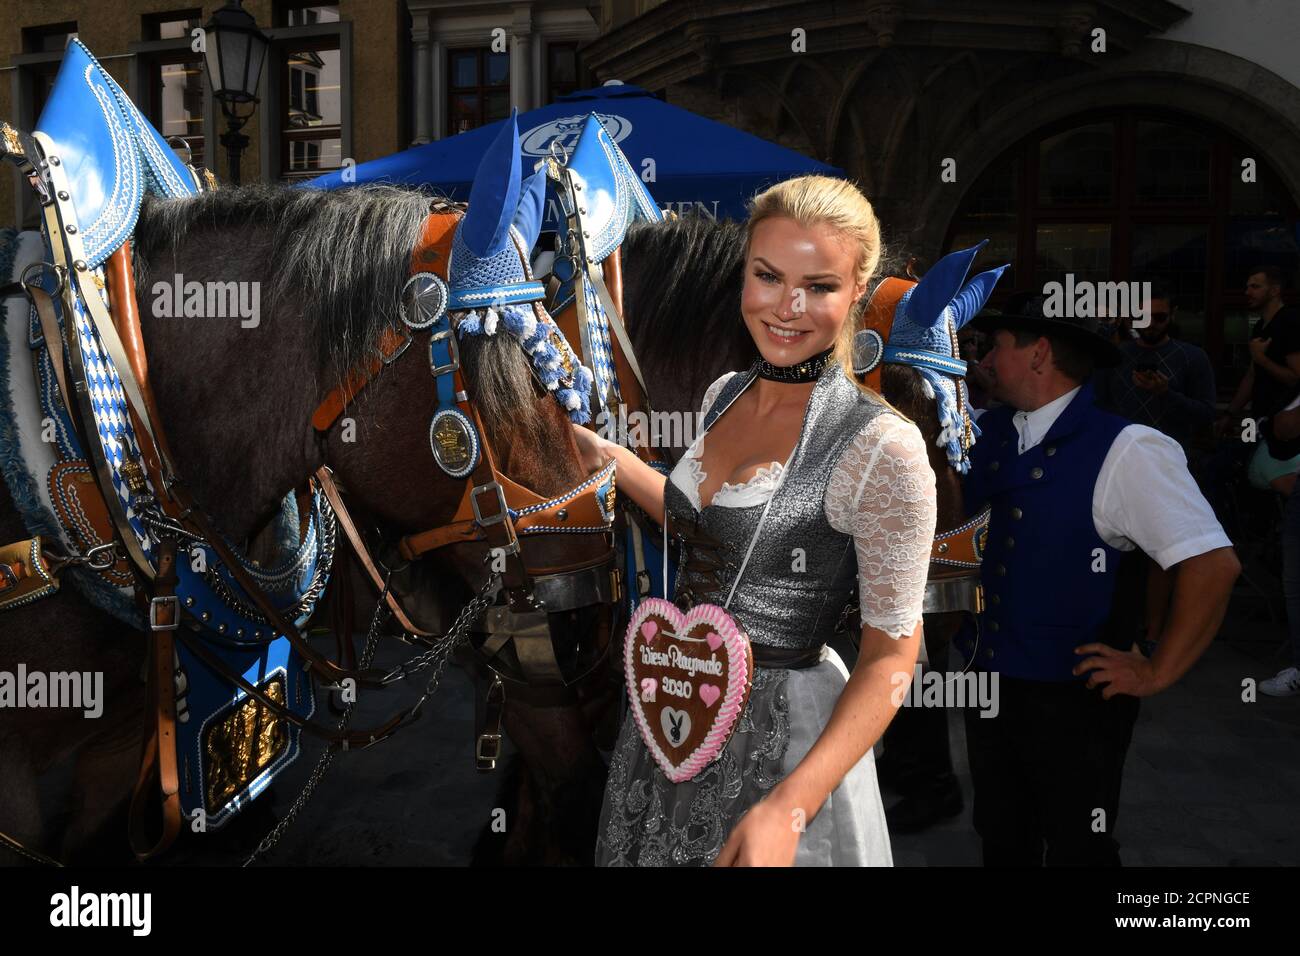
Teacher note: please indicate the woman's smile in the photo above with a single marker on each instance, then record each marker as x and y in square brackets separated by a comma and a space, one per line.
[784, 336]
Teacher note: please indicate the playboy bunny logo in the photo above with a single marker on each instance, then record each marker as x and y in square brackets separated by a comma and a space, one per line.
[676, 724]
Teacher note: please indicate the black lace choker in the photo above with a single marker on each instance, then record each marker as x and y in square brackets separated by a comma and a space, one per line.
[809, 370]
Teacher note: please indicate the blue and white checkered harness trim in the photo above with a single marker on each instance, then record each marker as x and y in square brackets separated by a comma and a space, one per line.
[602, 351]
[602, 477]
[113, 424]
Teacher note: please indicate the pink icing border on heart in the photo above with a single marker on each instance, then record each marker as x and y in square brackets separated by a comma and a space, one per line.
[733, 698]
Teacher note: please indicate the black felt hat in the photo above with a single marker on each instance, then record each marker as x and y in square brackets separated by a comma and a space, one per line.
[1024, 310]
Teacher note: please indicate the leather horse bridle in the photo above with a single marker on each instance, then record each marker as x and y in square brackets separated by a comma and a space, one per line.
[493, 508]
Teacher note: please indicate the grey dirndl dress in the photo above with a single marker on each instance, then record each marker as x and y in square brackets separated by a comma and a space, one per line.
[851, 448]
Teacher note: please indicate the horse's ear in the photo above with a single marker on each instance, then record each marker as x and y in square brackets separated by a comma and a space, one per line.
[940, 285]
[532, 204]
[972, 298]
[494, 197]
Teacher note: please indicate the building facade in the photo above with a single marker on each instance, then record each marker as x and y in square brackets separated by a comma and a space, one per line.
[1115, 140]
[348, 79]
[474, 61]
[334, 83]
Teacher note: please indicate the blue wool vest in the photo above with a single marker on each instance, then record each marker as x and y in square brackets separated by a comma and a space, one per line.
[1048, 577]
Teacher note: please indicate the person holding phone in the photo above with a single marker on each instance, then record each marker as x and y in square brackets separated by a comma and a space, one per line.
[1160, 381]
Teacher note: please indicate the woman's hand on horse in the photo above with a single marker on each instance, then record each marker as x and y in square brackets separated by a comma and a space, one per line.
[768, 835]
[591, 447]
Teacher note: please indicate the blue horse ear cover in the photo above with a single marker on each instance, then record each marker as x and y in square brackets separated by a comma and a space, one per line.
[532, 205]
[972, 297]
[486, 266]
[494, 197]
[921, 322]
[940, 285]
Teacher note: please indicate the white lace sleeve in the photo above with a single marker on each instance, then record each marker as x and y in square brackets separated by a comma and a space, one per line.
[882, 492]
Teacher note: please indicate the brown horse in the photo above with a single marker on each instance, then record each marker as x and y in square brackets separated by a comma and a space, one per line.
[238, 404]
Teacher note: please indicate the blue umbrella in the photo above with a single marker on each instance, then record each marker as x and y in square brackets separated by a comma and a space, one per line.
[688, 163]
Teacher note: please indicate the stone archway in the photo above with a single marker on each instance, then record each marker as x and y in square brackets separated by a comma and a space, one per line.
[1254, 104]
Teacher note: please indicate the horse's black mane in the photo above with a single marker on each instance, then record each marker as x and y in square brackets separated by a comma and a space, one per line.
[685, 286]
[337, 257]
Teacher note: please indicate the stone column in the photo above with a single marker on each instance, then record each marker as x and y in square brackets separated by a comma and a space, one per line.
[538, 50]
[521, 60]
[423, 79]
[438, 82]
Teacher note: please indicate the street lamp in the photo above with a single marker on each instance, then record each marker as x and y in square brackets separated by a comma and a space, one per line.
[234, 50]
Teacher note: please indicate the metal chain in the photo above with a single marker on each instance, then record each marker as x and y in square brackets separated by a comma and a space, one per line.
[326, 758]
[441, 648]
[162, 525]
[437, 657]
[320, 577]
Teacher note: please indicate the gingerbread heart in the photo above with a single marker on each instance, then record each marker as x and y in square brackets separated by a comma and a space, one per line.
[688, 678]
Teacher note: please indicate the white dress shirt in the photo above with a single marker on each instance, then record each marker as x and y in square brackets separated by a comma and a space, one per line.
[1144, 497]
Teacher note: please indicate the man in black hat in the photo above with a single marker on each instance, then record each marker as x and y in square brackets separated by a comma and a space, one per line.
[1071, 488]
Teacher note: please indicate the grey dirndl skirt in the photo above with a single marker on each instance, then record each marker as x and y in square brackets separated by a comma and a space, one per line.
[648, 821]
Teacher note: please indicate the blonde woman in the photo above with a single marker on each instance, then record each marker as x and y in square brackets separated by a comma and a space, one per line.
[850, 499]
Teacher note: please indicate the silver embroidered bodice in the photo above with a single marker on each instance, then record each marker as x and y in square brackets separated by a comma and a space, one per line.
[802, 572]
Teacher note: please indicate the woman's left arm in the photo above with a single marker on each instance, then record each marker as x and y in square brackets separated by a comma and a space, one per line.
[889, 503]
